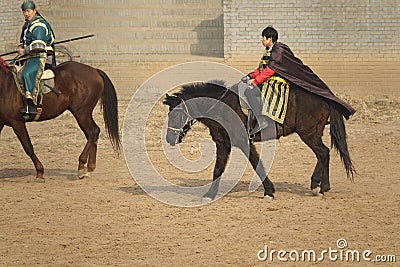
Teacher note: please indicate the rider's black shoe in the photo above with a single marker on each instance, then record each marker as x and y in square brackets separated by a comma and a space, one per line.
[30, 108]
[262, 122]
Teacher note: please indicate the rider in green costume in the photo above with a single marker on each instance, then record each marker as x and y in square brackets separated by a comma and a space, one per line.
[36, 45]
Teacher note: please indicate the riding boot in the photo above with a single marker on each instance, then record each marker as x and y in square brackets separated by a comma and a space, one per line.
[30, 107]
[254, 99]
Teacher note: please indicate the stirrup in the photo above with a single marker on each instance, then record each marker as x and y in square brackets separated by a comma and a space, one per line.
[260, 125]
[30, 108]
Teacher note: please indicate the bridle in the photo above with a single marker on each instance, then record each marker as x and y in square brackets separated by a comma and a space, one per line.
[186, 120]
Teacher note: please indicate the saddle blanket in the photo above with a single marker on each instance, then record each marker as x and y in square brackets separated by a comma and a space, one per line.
[47, 79]
[275, 94]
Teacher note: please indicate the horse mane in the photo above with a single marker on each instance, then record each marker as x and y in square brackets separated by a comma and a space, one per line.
[4, 65]
[212, 89]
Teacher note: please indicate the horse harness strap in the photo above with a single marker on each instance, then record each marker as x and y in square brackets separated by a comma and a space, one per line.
[219, 99]
[193, 120]
[186, 110]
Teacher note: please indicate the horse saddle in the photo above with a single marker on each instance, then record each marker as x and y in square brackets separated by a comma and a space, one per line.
[244, 102]
[46, 86]
[46, 81]
[240, 89]
[48, 74]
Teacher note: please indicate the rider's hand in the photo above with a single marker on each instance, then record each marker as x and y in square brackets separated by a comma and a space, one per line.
[21, 51]
[250, 87]
[245, 79]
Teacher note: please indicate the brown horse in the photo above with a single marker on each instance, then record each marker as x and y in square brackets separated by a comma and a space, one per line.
[307, 114]
[78, 89]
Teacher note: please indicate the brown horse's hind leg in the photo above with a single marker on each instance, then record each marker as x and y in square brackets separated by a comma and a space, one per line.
[20, 131]
[93, 150]
[88, 155]
[83, 158]
[92, 156]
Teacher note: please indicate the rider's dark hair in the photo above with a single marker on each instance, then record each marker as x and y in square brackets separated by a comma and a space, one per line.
[270, 32]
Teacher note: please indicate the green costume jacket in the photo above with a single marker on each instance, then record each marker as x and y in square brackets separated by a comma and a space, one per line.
[37, 36]
[37, 39]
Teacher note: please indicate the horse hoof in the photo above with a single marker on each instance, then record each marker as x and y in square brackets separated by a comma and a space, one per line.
[206, 200]
[83, 173]
[40, 180]
[269, 197]
[317, 192]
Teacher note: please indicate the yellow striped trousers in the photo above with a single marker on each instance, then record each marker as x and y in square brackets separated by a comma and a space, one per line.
[275, 94]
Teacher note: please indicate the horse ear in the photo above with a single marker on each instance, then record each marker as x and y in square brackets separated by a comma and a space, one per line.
[165, 102]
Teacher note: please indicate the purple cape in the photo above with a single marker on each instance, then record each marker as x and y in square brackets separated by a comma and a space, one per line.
[285, 64]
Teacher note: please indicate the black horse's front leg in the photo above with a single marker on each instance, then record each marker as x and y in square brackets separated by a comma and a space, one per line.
[223, 152]
[257, 165]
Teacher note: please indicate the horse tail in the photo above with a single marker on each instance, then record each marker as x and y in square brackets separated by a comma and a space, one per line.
[109, 105]
[339, 140]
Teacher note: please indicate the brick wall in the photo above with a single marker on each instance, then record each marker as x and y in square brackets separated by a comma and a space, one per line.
[350, 44]
[133, 38]
[12, 21]
[314, 26]
[125, 27]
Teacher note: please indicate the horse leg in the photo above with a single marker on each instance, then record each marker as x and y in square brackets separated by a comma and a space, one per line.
[20, 131]
[258, 167]
[91, 166]
[320, 176]
[83, 158]
[223, 152]
[88, 155]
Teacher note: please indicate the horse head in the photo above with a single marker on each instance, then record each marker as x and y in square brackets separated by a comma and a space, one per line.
[179, 119]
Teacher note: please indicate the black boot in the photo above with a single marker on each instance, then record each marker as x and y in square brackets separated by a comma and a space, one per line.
[254, 99]
[30, 107]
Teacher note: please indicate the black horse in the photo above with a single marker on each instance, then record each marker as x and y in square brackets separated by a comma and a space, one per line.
[307, 114]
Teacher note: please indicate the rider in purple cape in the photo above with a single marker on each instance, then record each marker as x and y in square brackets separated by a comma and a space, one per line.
[286, 65]
[279, 61]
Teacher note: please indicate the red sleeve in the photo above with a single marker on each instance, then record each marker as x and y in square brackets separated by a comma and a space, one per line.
[254, 74]
[263, 76]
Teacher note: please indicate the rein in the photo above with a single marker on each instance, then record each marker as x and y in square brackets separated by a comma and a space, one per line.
[189, 121]
[219, 99]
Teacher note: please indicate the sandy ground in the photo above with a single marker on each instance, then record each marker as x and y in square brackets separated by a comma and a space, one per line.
[107, 220]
